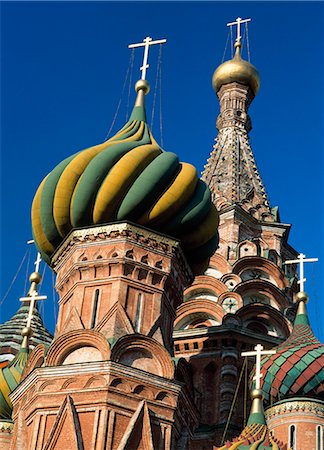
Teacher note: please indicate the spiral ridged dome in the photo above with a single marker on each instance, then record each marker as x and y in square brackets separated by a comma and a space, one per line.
[127, 178]
[297, 367]
[10, 377]
[236, 70]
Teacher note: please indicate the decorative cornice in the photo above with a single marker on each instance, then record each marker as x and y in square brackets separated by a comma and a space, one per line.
[109, 368]
[119, 231]
[6, 427]
[300, 405]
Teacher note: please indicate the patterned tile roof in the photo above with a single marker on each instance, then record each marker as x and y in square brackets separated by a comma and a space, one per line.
[10, 333]
[297, 367]
[256, 435]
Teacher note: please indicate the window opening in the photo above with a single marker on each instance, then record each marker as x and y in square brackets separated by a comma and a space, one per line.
[292, 437]
[138, 318]
[95, 308]
[319, 437]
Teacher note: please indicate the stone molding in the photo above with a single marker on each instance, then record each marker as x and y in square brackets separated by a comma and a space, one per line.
[73, 340]
[138, 342]
[121, 231]
[196, 307]
[302, 405]
[108, 369]
[6, 427]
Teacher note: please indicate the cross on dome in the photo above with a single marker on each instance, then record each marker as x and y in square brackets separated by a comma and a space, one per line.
[238, 22]
[146, 44]
[33, 296]
[301, 260]
[37, 262]
[258, 353]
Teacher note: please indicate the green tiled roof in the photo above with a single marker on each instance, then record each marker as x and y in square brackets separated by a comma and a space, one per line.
[10, 333]
[297, 367]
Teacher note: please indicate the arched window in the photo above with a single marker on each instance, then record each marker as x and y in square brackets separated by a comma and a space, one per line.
[319, 437]
[292, 437]
[138, 317]
[95, 308]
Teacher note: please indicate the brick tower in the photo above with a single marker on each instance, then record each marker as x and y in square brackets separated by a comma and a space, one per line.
[245, 295]
[100, 219]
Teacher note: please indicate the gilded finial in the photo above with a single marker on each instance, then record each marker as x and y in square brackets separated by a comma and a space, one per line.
[32, 297]
[237, 69]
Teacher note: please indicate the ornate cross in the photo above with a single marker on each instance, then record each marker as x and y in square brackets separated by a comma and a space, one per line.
[33, 296]
[258, 353]
[146, 44]
[238, 22]
[301, 260]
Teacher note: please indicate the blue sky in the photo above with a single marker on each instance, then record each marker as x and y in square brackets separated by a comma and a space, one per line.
[63, 66]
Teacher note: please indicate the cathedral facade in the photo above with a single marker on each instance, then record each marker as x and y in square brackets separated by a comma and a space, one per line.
[164, 281]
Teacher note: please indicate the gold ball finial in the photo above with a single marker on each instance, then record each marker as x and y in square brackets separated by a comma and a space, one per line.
[26, 331]
[142, 85]
[35, 277]
[257, 393]
[301, 297]
[236, 70]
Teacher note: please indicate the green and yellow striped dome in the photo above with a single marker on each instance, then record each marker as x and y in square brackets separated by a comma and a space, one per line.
[127, 178]
[10, 377]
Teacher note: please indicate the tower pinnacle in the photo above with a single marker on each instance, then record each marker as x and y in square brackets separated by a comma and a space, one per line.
[231, 171]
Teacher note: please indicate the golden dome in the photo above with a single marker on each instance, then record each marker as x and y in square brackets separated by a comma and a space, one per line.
[236, 70]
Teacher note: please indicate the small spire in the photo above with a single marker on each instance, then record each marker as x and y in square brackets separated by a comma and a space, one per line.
[142, 86]
[301, 298]
[257, 413]
[32, 297]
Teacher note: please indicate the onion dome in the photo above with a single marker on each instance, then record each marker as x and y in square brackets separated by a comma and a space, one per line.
[11, 338]
[127, 178]
[10, 374]
[297, 367]
[10, 377]
[256, 434]
[237, 70]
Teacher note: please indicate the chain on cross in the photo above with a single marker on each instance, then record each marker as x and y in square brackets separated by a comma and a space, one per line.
[301, 260]
[146, 44]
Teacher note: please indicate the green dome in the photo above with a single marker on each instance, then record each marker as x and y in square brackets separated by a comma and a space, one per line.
[10, 332]
[297, 367]
[127, 178]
